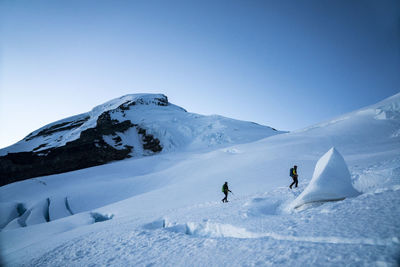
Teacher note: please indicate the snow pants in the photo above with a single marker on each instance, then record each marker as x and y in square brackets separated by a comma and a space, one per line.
[295, 181]
[225, 199]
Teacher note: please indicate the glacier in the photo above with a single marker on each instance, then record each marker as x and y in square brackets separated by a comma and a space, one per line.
[165, 209]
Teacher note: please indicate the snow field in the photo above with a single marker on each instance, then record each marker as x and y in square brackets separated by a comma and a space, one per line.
[213, 234]
[166, 210]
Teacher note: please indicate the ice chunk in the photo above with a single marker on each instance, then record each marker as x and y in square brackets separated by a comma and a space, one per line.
[39, 213]
[331, 181]
[8, 212]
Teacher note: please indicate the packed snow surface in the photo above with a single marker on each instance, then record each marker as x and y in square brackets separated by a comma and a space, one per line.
[166, 210]
[331, 181]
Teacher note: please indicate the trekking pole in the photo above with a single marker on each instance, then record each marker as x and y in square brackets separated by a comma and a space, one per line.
[234, 195]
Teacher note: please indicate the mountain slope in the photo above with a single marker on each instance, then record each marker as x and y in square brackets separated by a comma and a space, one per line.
[167, 210]
[129, 126]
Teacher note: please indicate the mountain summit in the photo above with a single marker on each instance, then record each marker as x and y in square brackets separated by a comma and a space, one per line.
[133, 125]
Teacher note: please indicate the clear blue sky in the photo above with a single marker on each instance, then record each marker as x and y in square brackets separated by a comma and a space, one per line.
[286, 64]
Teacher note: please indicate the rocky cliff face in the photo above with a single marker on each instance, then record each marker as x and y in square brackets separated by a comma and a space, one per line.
[131, 126]
[90, 149]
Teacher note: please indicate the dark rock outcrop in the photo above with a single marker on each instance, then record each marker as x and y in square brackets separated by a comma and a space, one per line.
[88, 150]
[159, 101]
[149, 142]
[58, 127]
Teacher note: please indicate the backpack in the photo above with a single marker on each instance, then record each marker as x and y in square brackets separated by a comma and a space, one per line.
[291, 172]
[224, 188]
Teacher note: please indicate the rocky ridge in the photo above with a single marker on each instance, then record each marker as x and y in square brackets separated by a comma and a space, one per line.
[130, 126]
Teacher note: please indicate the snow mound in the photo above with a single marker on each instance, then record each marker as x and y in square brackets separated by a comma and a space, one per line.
[388, 109]
[203, 229]
[9, 211]
[331, 181]
[214, 230]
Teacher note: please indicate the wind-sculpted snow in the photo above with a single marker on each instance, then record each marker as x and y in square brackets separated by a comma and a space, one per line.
[388, 109]
[98, 217]
[203, 229]
[331, 181]
[44, 211]
[220, 230]
[9, 211]
[213, 230]
[212, 234]
[59, 208]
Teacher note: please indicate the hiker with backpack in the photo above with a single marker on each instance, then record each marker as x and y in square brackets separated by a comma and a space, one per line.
[225, 190]
[293, 174]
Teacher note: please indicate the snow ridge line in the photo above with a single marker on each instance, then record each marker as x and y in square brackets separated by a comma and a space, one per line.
[335, 240]
[215, 230]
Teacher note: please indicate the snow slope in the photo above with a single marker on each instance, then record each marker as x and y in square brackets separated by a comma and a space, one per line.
[176, 128]
[134, 125]
[166, 210]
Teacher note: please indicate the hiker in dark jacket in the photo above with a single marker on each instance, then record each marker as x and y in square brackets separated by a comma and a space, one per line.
[225, 190]
[293, 174]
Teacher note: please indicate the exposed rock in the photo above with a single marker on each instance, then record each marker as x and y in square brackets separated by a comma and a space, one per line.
[132, 125]
[40, 146]
[117, 140]
[149, 142]
[159, 101]
[58, 127]
[87, 151]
